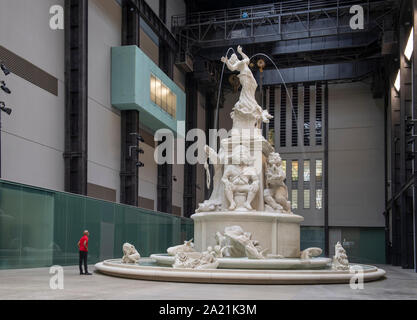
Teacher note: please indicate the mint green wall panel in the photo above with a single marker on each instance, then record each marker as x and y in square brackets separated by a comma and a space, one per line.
[364, 245]
[131, 72]
[41, 228]
[312, 237]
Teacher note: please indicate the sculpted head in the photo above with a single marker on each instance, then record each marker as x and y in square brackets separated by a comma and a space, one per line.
[128, 249]
[275, 158]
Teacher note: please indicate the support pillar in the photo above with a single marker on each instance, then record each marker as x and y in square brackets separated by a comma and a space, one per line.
[129, 173]
[395, 168]
[414, 86]
[190, 171]
[406, 200]
[326, 171]
[76, 96]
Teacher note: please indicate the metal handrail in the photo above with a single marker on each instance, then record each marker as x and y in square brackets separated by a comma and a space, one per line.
[261, 11]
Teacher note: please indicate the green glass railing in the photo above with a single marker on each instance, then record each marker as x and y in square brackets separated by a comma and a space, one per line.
[40, 228]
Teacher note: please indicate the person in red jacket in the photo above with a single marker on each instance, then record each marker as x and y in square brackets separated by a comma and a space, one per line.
[83, 246]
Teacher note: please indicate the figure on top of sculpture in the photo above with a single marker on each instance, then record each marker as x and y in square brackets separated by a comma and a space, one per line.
[246, 108]
[240, 179]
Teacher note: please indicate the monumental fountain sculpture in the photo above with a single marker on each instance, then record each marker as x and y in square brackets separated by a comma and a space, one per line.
[245, 232]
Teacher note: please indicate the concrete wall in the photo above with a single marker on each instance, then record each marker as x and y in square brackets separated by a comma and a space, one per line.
[33, 135]
[149, 47]
[356, 156]
[104, 32]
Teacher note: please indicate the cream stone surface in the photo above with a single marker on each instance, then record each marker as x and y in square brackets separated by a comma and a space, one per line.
[246, 228]
[194, 260]
[237, 276]
[188, 246]
[130, 254]
[279, 232]
[246, 263]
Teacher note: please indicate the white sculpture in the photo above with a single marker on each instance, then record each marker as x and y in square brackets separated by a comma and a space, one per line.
[195, 260]
[248, 177]
[340, 259]
[247, 113]
[276, 194]
[188, 246]
[241, 182]
[216, 198]
[310, 252]
[130, 254]
[237, 243]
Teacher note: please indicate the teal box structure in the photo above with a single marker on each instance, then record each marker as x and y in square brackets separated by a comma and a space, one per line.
[131, 72]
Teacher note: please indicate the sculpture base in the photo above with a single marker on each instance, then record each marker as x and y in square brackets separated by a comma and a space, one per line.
[147, 271]
[277, 232]
[256, 264]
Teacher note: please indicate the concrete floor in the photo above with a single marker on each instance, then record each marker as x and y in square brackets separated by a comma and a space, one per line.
[34, 284]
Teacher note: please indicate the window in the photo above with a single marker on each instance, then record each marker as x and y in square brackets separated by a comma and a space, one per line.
[294, 136]
[319, 170]
[319, 199]
[294, 199]
[162, 96]
[283, 117]
[306, 170]
[319, 118]
[306, 184]
[306, 198]
[294, 170]
[306, 115]
[284, 166]
[271, 125]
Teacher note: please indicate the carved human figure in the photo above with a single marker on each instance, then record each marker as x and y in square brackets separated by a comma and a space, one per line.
[130, 254]
[240, 177]
[247, 105]
[195, 260]
[310, 252]
[214, 203]
[276, 193]
[241, 244]
[188, 246]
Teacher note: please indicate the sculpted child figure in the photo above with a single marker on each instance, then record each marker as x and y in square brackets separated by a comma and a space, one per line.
[240, 177]
[276, 194]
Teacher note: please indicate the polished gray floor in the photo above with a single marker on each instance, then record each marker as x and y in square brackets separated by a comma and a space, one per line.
[34, 284]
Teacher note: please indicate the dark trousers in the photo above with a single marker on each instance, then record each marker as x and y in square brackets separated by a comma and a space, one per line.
[83, 258]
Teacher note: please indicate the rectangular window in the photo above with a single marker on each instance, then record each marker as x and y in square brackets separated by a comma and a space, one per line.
[306, 115]
[294, 135]
[319, 170]
[153, 88]
[162, 96]
[294, 199]
[307, 199]
[271, 125]
[319, 199]
[294, 170]
[319, 117]
[284, 166]
[306, 170]
[283, 118]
